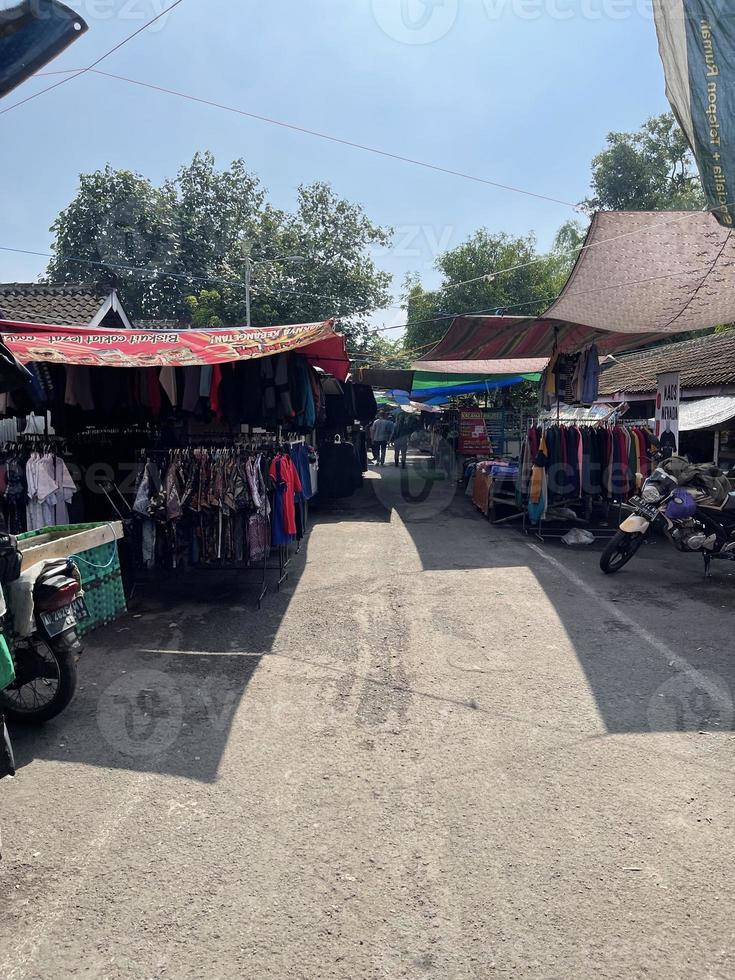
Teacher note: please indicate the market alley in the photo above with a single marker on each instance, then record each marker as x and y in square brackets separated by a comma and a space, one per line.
[444, 749]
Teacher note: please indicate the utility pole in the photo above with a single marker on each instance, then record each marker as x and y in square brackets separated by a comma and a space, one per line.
[249, 263]
[248, 275]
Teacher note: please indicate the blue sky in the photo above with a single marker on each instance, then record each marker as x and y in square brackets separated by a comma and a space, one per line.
[518, 91]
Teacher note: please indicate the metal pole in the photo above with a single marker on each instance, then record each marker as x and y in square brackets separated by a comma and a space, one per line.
[248, 270]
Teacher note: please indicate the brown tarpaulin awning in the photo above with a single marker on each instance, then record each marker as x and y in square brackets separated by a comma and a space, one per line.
[642, 277]
[661, 271]
[517, 337]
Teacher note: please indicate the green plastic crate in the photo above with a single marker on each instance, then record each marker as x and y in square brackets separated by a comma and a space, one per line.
[101, 579]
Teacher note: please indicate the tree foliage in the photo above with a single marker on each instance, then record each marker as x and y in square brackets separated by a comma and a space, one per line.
[379, 351]
[650, 170]
[187, 240]
[525, 289]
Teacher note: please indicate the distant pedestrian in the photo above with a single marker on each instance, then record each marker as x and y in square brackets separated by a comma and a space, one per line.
[381, 432]
[404, 428]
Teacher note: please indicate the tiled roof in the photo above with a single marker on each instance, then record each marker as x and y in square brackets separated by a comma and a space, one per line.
[172, 325]
[66, 305]
[703, 362]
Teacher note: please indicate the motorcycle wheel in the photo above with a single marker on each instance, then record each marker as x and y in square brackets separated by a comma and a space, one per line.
[619, 550]
[43, 698]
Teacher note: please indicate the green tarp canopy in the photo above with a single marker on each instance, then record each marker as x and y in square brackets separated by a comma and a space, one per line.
[434, 379]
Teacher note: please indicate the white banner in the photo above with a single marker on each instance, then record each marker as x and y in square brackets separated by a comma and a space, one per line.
[667, 411]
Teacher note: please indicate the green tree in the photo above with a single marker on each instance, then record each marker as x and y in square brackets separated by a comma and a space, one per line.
[567, 242]
[336, 239]
[191, 237]
[119, 219]
[378, 351]
[650, 170]
[206, 310]
[474, 280]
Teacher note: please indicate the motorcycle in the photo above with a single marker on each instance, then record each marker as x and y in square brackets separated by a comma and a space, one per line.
[46, 661]
[693, 505]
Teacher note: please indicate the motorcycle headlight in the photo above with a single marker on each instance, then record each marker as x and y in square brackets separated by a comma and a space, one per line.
[651, 494]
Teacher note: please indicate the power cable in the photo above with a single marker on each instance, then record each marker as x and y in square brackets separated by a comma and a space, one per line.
[153, 272]
[89, 68]
[489, 276]
[326, 136]
[546, 300]
[265, 291]
[439, 316]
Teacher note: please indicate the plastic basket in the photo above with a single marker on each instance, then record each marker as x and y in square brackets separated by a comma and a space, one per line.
[101, 579]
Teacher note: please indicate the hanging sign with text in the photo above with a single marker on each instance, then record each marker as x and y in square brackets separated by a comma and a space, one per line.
[473, 434]
[667, 411]
[696, 39]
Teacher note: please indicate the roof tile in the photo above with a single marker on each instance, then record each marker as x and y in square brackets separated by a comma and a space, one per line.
[703, 362]
[65, 305]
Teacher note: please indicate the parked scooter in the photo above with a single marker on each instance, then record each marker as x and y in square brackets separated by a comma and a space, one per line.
[46, 661]
[693, 505]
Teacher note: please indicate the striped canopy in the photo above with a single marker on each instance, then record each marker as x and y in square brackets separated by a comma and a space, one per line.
[508, 338]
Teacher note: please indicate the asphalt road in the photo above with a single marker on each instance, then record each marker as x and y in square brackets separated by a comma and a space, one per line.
[442, 750]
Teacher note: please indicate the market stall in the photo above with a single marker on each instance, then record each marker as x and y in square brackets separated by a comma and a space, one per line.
[207, 443]
[558, 471]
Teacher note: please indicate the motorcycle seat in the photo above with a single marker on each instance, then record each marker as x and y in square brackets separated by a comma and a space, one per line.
[726, 507]
[57, 586]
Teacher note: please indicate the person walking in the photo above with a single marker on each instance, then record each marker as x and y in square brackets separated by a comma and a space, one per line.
[381, 432]
[402, 431]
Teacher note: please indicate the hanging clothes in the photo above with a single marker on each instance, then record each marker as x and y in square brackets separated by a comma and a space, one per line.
[302, 396]
[66, 488]
[167, 378]
[47, 499]
[207, 505]
[538, 490]
[586, 461]
[302, 456]
[590, 376]
[191, 388]
[287, 484]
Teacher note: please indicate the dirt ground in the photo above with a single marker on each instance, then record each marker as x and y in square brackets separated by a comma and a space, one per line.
[443, 750]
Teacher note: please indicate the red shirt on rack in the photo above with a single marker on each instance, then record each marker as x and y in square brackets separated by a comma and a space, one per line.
[289, 476]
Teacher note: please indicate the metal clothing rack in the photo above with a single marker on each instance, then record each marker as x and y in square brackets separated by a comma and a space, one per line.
[261, 566]
[537, 529]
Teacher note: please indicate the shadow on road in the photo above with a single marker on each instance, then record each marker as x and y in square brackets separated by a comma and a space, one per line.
[159, 688]
[651, 640]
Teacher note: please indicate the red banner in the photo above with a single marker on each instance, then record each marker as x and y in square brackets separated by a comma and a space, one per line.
[146, 348]
[473, 434]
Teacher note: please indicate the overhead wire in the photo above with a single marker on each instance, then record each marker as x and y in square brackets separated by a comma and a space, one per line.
[379, 151]
[366, 356]
[89, 68]
[510, 306]
[546, 300]
[150, 271]
[488, 276]
[153, 272]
